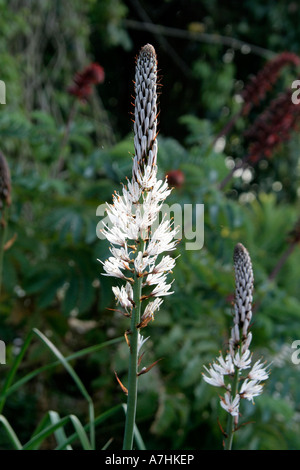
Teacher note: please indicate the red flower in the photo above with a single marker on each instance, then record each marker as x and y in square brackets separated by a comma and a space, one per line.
[260, 84]
[273, 126]
[175, 178]
[84, 80]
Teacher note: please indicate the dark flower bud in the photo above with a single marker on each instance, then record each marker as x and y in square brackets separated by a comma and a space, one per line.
[175, 178]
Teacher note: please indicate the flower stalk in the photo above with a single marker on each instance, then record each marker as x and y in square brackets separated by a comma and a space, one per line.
[229, 372]
[231, 420]
[81, 89]
[133, 368]
[137, 236]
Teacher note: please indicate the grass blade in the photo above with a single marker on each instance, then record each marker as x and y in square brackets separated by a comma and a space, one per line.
[13, 370]
[138, 439]
[75, 377]
[60, 434]
[11, 389]
[98, 420]
[80, 431]
[106, 446]
[36, 441]
[11, 433]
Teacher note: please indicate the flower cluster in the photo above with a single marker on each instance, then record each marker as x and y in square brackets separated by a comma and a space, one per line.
[5, 182]
[260, 84]
[273, 127]
[138, 238]
[235, 373]
[83, 81]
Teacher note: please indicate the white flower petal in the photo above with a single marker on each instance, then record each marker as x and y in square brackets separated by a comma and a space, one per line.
[250, 389]
[258, 372]
[231, 406]
[242, 361]
[216, 379]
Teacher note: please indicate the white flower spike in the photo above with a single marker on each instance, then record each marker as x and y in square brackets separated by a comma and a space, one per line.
[229, 373]
[135, 243]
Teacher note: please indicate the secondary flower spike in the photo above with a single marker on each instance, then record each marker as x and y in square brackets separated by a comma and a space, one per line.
[228, 373]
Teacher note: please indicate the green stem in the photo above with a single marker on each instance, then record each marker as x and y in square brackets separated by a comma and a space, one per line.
[227, 178]
[61, 158]
[133, 367]
[230, 422]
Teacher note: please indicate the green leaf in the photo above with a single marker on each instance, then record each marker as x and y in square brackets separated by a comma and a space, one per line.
[74, 376]
[60, 432]
[98, 420]
[35, 442]
[13, 370]
[11, 433]
[17, 385]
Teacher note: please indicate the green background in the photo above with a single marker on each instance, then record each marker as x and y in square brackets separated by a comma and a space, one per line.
[52, 280]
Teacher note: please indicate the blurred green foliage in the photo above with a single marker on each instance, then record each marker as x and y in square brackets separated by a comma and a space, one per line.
[52, 279]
